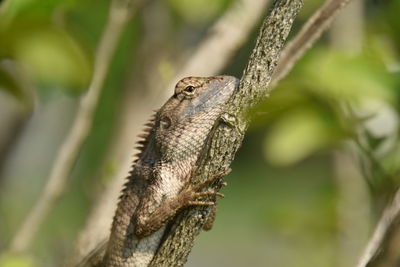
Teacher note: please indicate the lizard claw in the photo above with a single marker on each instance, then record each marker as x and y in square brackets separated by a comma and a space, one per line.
[213, 179]
[192, 195]
[201, 203]
[204, 194]
[209, 194]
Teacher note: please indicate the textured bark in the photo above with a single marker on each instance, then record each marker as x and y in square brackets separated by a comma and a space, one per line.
[228, 136]
[225, 36]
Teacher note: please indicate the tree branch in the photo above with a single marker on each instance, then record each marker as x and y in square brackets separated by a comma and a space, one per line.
[224, 38]
[227, 139]
[189, 224]
[67, 155]
[384, 246]
[306, 37]
[253, 87]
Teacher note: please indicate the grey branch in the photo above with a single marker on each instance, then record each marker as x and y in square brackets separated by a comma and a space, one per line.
[384, 246]
[227, 139]
[309, 33]
[80, 129]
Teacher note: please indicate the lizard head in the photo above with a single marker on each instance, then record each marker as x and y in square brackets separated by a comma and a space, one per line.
[193, 110]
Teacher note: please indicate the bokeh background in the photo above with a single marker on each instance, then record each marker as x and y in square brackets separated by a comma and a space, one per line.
[318, 164]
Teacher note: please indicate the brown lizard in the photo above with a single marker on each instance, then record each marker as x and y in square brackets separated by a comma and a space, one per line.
[159, 184]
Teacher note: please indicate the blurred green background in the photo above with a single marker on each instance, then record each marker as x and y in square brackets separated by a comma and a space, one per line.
[317, 165]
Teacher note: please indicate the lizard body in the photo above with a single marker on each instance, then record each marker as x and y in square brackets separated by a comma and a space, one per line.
[159, 184]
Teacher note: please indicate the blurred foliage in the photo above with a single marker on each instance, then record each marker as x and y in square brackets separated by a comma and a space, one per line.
[33, 34]
[282, 199]
[10, 260]
[198, 11]
[325, 81]
[9, 84]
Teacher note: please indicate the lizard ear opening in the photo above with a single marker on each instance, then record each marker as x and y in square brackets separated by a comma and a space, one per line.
[165, 123]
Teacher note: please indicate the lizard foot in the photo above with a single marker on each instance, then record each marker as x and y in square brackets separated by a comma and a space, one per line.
[214, 178]
[192, 197]
[147, 224]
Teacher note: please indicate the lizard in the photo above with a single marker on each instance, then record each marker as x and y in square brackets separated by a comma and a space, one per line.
[159, 184]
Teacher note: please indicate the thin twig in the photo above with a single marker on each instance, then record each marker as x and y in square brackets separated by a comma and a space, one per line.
[69, 150]
[383, 248]
[306, 37]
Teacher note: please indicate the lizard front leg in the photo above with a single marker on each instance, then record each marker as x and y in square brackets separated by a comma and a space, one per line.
[146, 224]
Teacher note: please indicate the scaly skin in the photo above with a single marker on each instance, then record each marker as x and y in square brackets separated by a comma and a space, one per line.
[159, 184]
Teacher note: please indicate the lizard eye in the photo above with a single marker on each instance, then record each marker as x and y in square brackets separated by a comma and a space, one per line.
[165, 123]
[189, 90]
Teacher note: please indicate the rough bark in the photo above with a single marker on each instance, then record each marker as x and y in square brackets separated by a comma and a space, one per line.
[224, 38]
[228, 136]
